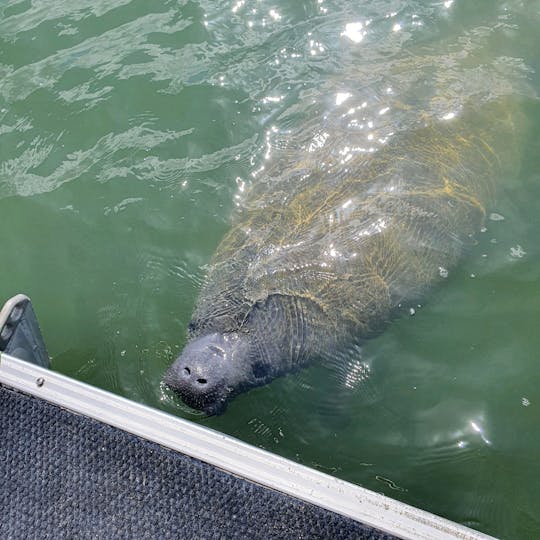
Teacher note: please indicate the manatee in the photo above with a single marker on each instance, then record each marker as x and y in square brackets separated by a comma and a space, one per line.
[323, 253]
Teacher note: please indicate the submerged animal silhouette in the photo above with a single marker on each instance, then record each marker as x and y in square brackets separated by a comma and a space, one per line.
[322, 253]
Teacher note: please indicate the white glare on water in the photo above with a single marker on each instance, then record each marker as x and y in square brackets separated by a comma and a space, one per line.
[354, 31]
[341, 97]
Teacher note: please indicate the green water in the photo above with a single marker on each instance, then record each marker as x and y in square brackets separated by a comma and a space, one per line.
[129, 128]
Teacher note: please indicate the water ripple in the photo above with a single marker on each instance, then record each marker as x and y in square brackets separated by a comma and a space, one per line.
[129, 131]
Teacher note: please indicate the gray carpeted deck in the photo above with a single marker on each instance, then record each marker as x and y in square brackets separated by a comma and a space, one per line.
[67, 476]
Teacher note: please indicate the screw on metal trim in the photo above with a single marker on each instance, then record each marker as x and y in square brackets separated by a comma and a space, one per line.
[40, 381]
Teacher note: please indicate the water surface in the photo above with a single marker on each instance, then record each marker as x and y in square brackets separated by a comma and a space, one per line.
[129, 132]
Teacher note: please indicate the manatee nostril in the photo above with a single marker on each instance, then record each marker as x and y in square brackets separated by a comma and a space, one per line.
[202, 381]
[187, 371]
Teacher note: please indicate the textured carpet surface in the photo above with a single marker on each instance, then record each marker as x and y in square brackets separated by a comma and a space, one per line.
[67, 476]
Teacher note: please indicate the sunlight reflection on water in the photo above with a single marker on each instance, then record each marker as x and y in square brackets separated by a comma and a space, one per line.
[129, 132]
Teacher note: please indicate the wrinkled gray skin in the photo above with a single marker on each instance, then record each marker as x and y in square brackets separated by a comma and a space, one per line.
[216, 366]
[208, 384]
[321, 254]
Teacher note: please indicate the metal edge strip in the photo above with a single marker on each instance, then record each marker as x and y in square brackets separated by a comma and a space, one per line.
[232, 455]
[6, 310]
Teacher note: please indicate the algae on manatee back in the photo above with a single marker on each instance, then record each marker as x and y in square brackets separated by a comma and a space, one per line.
[350, 220]
[322, 253]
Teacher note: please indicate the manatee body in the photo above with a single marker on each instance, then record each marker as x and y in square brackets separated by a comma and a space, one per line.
[323, 252]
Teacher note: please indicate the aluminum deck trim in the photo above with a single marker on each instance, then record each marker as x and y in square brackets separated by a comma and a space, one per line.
[6, 310]
[232, 455]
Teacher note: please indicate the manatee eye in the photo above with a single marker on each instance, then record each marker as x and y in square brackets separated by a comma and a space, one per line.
[260, 370]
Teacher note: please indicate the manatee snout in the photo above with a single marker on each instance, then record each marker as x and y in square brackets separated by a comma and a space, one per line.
[210, 370]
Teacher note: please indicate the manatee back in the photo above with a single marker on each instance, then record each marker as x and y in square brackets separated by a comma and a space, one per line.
[356, 241]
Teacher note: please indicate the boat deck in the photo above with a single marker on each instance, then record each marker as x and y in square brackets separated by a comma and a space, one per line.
[65, 475]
